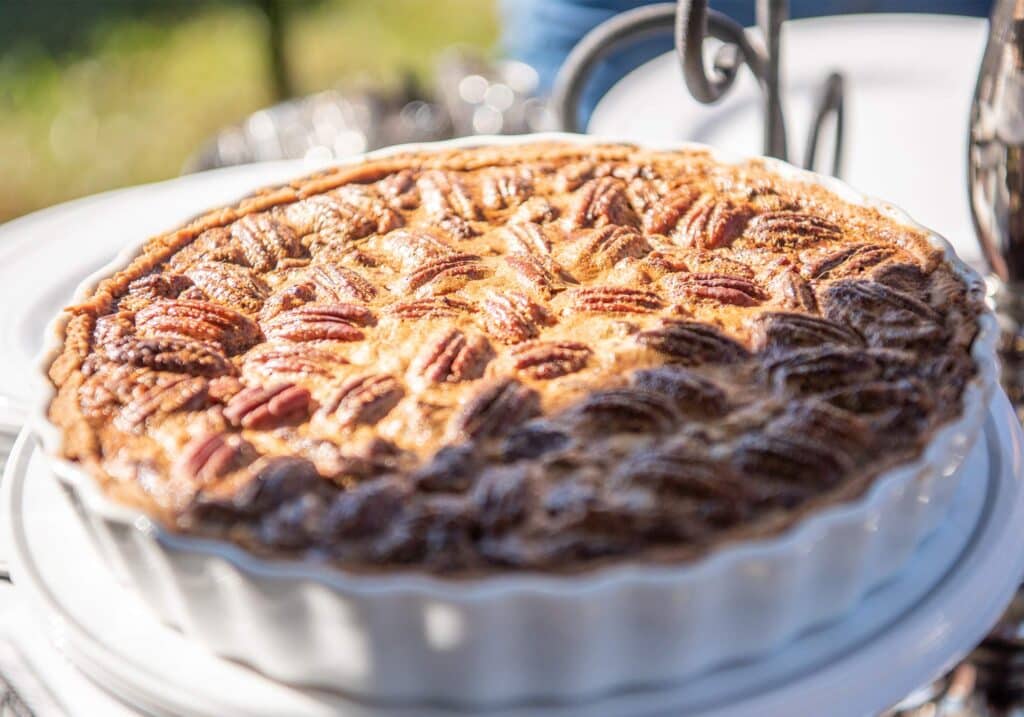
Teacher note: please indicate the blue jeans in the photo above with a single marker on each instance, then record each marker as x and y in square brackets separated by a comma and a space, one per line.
[542, 32]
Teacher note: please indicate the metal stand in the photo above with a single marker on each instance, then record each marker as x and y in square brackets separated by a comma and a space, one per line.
[692, 23]
[990, 682]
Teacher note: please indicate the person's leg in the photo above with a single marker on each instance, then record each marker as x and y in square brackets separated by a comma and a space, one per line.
[542, 32]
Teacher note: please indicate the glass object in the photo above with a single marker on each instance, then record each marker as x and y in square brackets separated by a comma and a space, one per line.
[996, 159]
[996, 180]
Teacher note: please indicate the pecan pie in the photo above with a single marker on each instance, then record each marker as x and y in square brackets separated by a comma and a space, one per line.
[543, 357]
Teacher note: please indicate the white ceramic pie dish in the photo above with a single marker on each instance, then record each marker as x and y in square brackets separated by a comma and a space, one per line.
[516, 637]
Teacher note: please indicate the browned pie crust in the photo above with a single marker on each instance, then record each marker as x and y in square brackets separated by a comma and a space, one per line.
[535, 357]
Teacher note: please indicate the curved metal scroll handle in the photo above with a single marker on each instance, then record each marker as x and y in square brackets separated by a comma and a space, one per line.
[692, 22]
[605, 39]
[830, 102]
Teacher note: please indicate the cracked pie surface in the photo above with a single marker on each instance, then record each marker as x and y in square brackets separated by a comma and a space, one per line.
[544, 357]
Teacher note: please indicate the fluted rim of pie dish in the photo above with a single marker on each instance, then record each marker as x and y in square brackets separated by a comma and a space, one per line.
[974, 401]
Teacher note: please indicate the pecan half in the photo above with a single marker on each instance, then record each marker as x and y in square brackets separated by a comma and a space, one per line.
[600, 249]
[343, 255]
[848, 261]
[534, 209]
[775, 330]
[540, 274]
[109, 387]
[628, 411]
[215, 244]
[503, 189]
[683, 468]
[330, 215]
[532, 440]
[170, 394]
[153, 287]
[786, 230]
[496, 408]
[824, 423]
[612, 300]
[364, 400]
[901, 276]
[265, 240]
[877, 396]
[436, 529]
[796, 294]
[445, 275]
[693, 343]
[303, 359]
[502, 496]
[176, 355]
[595, 523]
[660, 263]
[222, 388]
[691, 393]
[820, 368]
[711, 223]
[451, 357]
[262, 407]
[415, 247]
[602, 201]
[803, 463]
[904, 336]
[113, 329]
[366, 509]
[450, 470]
[445, 194]
[336, 283]
[288, 298]
[320, 322]
[789, 468]
[370, 203]
[885, 316]
[512, 317]
[273, 482]
[723, 289]
[199, 320]
[525, 238]
[545, 360]
[294, 524]
[399, 189]
[211, 456]
[435, 307]
[644, 195]
[665, 213]
[457, 227]
[856, 301]
[572, 175]
[697, 261]
[365, 460]
[231, 285]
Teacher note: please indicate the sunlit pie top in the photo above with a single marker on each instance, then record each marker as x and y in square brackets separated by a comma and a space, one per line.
[542, 357]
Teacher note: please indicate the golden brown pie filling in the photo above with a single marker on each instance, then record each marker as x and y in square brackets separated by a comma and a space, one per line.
[537, 357]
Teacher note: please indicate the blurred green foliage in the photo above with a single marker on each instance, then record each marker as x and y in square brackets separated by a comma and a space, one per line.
[97, 94]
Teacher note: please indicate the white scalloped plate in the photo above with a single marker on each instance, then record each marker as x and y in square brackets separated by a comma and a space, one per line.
[903, 634]
[506, 639]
